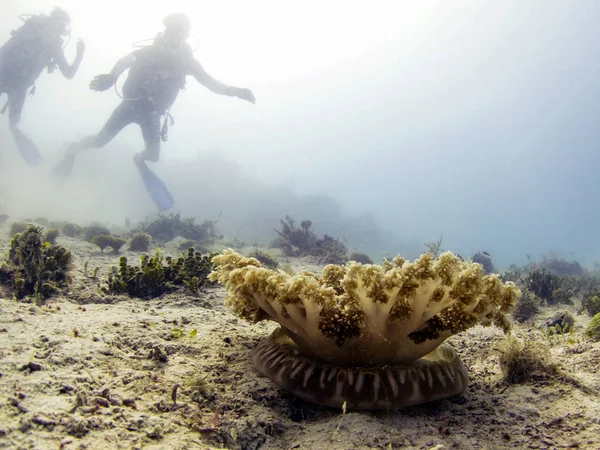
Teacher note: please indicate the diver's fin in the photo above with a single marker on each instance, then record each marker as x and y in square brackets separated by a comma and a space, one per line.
[27, 148]
[157, 190]
[64, 168]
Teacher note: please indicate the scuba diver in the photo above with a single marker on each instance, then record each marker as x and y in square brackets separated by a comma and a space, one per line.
[156, 75]
[36, 45]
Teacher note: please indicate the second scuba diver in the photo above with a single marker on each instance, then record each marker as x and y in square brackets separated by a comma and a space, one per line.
[156, 75]
[36, 45]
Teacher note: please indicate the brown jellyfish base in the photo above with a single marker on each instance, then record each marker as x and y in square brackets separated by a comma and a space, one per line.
[438, 375]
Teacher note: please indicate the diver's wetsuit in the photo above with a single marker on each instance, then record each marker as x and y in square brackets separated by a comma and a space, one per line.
[154, 81]
[22, 60]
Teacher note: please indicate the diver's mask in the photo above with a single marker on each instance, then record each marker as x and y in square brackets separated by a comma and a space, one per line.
[174, 38]
[60, 22]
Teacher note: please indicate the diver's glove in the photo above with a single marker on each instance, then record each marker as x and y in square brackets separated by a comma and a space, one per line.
[243, 93]
[80, 49]
[102, 82]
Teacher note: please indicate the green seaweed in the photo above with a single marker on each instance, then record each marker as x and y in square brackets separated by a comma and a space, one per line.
[34, 267]
[157, 275]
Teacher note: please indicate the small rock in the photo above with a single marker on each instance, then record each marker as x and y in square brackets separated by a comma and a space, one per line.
[155, 433]
[25, 424]
[100, 401]
[130, 402]
[65, 389]
[14, 402]
[158, 354]
[44, 420]
[33, 366]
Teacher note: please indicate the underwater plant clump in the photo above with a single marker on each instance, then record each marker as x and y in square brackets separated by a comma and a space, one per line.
[522, 361]
[592, 304]
[561, 267]
[485, 260]
[543, 284]
[90, 232]
[41, 220]
[139, 242]
[265, 258]
[186, 245]
[593, 330]
[104, 241]
[157, 275]
[35, 267]
[526, 307]
[562, 295]
[294, 241]
[166, 228]
[72, 230]
[330, 251]
[51, 235]
[514, 274]
[17, 227]
[362, 258]
[365, 336]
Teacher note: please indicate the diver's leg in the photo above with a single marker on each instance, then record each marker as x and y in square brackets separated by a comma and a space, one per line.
[26, 147]
[119, 119]
[157, 190]
[150, 125]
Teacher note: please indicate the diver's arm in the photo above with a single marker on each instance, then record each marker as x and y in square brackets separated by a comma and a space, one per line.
[69, 70]
[213, 85]
[106, 80]
[122, 65]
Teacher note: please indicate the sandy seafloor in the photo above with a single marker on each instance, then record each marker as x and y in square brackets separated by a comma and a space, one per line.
[88, 371]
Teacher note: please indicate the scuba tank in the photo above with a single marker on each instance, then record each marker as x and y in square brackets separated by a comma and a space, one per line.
[32, 46]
